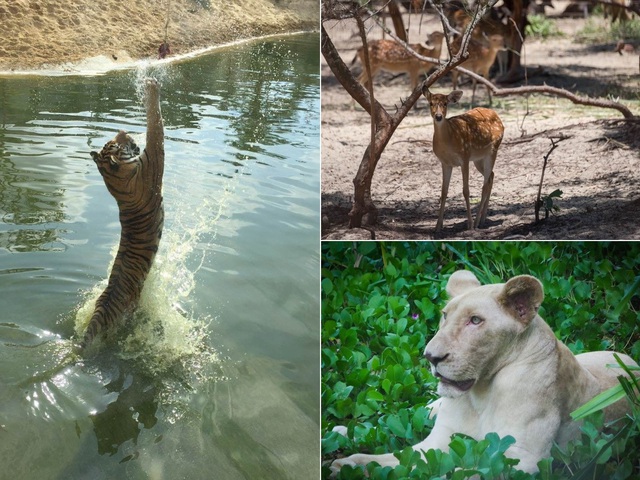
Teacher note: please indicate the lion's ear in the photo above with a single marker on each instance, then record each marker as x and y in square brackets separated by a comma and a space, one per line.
[522, 297]
[460, 282]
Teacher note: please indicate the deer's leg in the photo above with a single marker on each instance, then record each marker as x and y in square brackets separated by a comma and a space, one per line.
[489, 93]
[364, 78]
[465, 192]
[446, 177]
[413, 74]
[487, 171]
[473, 94]
[484, 203]
[454, 79]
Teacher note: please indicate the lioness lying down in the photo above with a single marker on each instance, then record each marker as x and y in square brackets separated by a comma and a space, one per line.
[501, 369]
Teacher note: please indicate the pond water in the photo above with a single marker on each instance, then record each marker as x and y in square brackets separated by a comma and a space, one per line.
[220, 379]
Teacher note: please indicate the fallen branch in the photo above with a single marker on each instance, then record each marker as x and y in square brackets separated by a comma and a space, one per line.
[560, 92]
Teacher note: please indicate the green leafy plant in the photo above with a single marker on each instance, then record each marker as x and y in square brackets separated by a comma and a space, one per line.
[381, 304]
[542, 26]
[629, 387]
[598, 30]
[547, 203]
[629, 31]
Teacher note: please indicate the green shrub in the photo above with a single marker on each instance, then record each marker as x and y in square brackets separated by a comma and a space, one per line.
[599, 31]
[541, 26]
[380, 305]
[629, 31]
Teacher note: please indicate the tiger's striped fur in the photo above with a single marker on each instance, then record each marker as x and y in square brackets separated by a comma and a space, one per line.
[135, 181]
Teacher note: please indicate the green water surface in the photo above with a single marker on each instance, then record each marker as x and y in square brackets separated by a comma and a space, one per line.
[240, 254]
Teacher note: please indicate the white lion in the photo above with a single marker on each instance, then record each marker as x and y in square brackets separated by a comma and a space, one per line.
[501, 369]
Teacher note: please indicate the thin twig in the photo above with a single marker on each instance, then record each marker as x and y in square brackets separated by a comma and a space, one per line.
[539, 202]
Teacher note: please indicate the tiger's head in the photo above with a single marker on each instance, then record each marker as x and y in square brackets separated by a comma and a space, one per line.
[118, 163]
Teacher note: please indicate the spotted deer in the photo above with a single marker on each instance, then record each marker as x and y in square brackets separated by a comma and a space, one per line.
[391, 56]
[482, 54]
[617, 9]
[474, 137]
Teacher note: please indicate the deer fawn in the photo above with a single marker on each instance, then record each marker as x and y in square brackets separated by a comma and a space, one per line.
[617, 10]
[492, 24]
[391, 56]
[474, 137]
[481, 57]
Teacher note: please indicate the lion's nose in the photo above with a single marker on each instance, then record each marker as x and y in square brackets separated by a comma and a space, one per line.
[434, 359]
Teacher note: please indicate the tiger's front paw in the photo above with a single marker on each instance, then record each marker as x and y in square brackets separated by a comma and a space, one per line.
[151, 85]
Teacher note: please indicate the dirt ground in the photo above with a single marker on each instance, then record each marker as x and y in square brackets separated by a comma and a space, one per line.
[597, 167]
[47, 33]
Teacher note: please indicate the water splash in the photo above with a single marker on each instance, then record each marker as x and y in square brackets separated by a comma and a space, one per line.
[162, 72]
[164, 333]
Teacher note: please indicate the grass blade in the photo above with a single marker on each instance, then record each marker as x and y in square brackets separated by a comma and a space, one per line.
[600, 401]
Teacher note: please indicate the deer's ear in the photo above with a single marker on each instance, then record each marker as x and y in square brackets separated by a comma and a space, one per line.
[426, 92]
[454, 96]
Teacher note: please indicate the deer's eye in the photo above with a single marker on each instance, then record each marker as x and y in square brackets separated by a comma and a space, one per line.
[475, 320]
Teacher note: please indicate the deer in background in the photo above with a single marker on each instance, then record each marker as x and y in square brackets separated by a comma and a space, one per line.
[474, 136]
[617, 10]
[481, 58]
[482, 36]
[391, 56]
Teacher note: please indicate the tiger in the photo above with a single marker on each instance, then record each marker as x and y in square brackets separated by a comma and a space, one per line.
[135, 181]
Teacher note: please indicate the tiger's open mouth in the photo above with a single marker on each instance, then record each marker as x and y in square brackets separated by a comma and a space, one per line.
[463, 385]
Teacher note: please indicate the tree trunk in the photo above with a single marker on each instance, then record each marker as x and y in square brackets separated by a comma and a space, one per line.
[518, 9]
[396, 18]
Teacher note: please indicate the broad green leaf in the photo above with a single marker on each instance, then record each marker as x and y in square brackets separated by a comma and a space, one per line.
[457, 445]
[327, 286]
[600, 401]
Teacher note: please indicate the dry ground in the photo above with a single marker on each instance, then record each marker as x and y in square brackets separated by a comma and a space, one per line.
[597, 167]
[46, 33]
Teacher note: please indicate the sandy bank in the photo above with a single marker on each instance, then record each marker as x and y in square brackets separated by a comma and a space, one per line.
[38, 34]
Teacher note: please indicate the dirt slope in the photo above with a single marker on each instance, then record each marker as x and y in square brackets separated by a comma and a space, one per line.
[37, 33]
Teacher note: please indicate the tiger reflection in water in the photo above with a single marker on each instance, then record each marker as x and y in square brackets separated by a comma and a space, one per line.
[135, 181]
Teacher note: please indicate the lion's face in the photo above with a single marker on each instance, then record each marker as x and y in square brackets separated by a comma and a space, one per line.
[478, 328]
[118, 163]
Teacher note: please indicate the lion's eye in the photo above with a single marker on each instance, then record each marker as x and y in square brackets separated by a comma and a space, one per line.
[475, 320]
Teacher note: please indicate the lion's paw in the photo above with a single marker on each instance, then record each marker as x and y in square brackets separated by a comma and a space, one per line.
[336, 465]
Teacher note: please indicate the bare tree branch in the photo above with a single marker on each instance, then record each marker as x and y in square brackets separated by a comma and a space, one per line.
[346, 79]
[560, 92]
[396, 18]
[367, 66]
